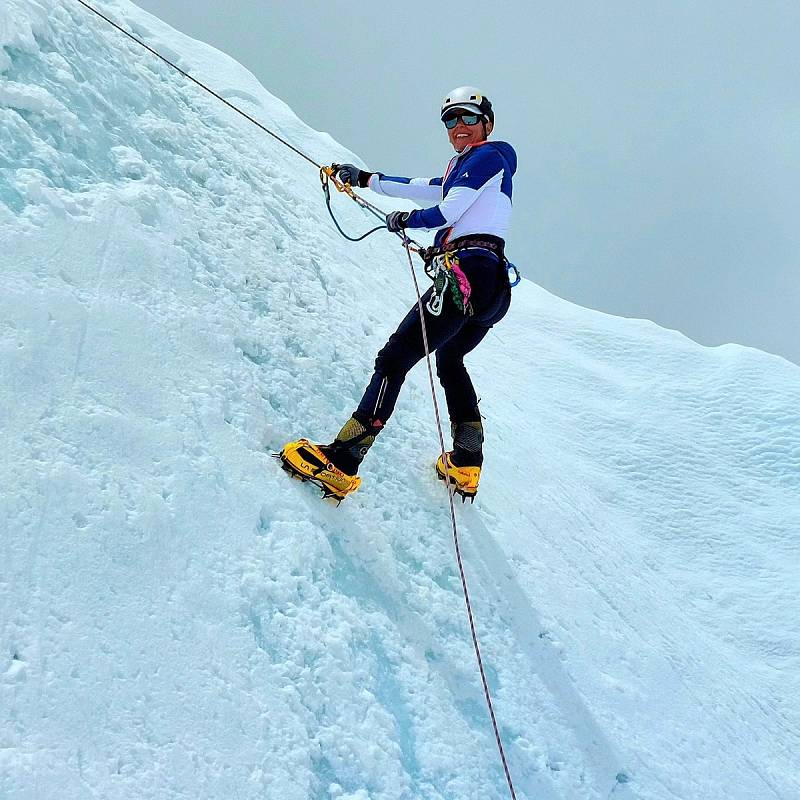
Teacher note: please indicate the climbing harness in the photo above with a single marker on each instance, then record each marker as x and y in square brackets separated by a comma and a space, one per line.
[327, 175]
[443, 268]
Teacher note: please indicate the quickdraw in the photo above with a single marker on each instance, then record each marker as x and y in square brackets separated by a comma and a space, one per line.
[445, 271]
[328, 175]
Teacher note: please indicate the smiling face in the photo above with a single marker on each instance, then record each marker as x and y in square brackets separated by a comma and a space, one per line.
[466, 135]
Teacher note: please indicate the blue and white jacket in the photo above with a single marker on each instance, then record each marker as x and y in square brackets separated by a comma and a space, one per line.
[473, 197]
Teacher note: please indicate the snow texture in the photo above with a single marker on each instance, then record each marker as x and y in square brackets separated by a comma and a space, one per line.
[179, 619]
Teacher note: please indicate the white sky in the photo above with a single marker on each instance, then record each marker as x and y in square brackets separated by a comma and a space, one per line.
[659, 143]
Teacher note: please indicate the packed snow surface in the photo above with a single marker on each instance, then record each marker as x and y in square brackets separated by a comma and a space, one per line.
[181, 620]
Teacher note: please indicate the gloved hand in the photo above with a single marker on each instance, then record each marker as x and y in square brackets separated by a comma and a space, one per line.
[396, 220]
[350, 173]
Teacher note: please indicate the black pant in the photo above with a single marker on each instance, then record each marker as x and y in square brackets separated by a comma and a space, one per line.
[452, 335]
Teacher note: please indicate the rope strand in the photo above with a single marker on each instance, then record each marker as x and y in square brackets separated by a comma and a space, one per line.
[456, 544]
[198, 83]
[377, 212]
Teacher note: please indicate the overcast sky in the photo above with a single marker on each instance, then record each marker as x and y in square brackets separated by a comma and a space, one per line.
[658, 143]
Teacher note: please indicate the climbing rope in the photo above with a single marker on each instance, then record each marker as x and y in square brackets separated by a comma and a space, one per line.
[327, 174]
[342, 187]
[456, 544]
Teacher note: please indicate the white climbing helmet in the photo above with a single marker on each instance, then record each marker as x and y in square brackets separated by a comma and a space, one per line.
[470, 99]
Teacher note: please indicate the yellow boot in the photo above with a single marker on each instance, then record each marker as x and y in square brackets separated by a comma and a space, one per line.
[333, 466]
[464, 479]
[308, 462]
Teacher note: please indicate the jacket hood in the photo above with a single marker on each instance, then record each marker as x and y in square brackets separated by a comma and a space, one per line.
[506, 151]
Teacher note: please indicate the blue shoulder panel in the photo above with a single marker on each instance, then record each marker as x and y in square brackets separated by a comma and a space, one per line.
[483, 163]
[509, 156]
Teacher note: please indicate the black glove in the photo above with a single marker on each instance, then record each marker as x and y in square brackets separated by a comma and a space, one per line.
[350, 173]
[396, 220]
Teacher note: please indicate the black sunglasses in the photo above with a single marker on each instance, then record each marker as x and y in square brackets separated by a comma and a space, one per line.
[467, 119]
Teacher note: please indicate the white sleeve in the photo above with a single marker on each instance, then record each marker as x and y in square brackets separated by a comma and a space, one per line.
[460, 198]
[420, 190]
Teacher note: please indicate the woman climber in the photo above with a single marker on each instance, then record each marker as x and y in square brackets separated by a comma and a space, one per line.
[471, 293]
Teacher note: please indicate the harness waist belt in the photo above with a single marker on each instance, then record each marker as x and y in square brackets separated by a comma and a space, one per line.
[493, 244]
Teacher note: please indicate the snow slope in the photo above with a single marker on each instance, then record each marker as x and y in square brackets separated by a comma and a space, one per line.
[181, 620]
